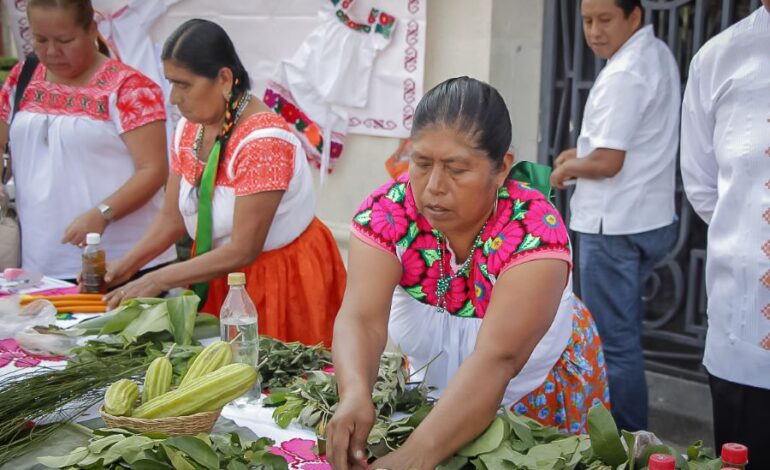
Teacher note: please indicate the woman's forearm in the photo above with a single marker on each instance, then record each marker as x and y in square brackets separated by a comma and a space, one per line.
[466, 408]
[356, 352]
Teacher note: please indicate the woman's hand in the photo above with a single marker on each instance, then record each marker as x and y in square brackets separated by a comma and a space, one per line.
[149, 285]
[118, 272]
[347, 432]
[91, 221]
[564, 157]
[407, 457]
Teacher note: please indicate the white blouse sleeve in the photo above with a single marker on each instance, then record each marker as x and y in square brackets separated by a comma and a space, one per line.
[698, 160]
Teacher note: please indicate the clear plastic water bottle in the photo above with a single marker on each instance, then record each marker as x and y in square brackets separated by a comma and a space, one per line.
[238, 323]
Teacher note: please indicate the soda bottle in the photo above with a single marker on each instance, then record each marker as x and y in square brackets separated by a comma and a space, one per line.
[94, 266]
[661, 462]
[238, 323]
[734, 456]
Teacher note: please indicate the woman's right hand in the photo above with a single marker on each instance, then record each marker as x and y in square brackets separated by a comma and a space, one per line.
[347, 432]
[118, 272]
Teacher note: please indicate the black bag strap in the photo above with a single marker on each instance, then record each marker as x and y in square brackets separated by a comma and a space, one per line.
[30, 64]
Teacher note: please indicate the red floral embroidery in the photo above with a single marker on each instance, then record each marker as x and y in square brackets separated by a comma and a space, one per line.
[140, 101]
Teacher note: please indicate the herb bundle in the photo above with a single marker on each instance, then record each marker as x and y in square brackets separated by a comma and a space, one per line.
[283, 362]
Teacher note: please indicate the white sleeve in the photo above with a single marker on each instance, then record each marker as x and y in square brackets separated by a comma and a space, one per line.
[698, 160]
[619, 101]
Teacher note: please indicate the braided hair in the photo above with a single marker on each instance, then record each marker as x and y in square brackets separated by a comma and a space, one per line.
[204, 48]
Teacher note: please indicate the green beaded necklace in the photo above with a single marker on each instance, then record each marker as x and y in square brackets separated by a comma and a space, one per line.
[444, 283]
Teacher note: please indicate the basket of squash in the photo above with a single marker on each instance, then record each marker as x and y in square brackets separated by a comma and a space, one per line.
[211, 382]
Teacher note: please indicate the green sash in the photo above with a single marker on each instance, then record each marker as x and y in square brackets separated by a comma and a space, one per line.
[204, 228]
[536, 175]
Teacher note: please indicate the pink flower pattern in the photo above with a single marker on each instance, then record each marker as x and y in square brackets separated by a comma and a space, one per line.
[543, 220]
[300, 454]
[524, 224]
[12, 354]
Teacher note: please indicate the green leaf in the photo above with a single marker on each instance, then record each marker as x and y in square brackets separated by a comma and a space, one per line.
[545, 455]
[693, 452]
[430, 256]
[236, 465]
[397, 192]
[604, 436]
[150, 464]
[630, 448]
[129, 449]
[182, 311]
[196, 449]
[64, 460]
[98, 446]
[467, 311]
[530, 242]
[453, 463]
[411, 234]
[363, 218]
[119, 319]
[275, 398]
[500, 458]
[520, 428]
[151, 320]
[416, 292]
[488, 441]
[518, 210]
[178, 461]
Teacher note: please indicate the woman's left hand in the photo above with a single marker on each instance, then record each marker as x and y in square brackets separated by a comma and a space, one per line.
[148, 285]
[91, 221]
[405, 458]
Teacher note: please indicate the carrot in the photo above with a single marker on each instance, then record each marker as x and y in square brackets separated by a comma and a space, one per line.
[25, 299]
[82, 309]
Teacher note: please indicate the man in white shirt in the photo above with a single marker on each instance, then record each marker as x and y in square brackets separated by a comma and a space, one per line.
[726, 172]
[623, 206]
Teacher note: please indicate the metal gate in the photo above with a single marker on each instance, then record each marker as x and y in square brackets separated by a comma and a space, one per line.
[675, 298]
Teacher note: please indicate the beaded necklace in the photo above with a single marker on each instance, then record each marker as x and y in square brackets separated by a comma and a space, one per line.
[444, 283]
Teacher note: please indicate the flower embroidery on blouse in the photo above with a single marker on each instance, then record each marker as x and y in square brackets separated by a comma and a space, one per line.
[524, 224]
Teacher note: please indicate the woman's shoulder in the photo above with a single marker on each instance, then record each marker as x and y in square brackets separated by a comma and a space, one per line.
[256, 122]
[116, 75]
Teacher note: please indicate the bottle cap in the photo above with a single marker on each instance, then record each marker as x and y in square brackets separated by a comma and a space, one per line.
[236, 279]
[661, 462]
[735, 453]
[93, 239]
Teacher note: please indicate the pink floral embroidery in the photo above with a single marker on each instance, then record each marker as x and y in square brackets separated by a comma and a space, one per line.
[389, 219]
[543, 221]
[413, 266]
[300, 454]
[524, 192]
[503, 245]
[11, 353]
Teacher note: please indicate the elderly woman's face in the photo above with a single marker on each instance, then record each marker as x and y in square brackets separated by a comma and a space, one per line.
[454, 184]
[200, 99]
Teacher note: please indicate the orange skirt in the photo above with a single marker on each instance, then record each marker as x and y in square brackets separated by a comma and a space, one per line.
[297, 289]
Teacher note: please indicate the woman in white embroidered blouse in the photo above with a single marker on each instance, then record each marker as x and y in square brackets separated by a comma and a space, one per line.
[88, 144]
[726, 173]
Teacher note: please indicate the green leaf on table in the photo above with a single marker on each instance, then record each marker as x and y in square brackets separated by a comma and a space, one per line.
[520, 429]
[116, 320]
[500, 458]
[196, 450]
[604, 436]
[150, 464]
[182, 311]
[151, 320]
[546, 455]
[453, 463]
[91, 460]
[129, 449]
[63, 461]
[98, 446]
[488, 441]
[630, 440]
[177, 459]
[236, 465]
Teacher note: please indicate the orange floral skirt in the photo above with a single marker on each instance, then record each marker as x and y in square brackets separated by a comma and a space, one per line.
[576, 383]
[297, 289]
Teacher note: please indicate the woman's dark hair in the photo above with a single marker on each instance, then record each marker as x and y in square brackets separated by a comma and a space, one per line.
[471, 106]
[628, 6]
[83, 10]
[204, 48]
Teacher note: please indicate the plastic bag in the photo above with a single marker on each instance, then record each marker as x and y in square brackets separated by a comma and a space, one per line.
[15, 318]
[34, 342]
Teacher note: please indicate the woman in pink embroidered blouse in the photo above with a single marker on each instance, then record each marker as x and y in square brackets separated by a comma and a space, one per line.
[468, 268]
[88, 144]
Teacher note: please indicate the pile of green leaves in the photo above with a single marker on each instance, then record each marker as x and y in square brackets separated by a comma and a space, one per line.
[156, 319]
[283, 362]
[312, 400]
[120, 449]
[517, 442]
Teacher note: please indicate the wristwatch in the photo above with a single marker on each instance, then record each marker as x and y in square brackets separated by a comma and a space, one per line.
[106, 212]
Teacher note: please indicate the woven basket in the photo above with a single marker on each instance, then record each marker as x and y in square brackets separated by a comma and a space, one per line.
[174, 426]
